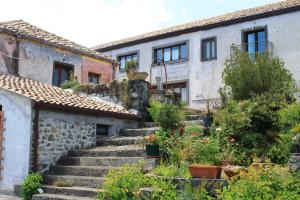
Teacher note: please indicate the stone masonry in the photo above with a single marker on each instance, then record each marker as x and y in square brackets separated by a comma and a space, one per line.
[58, 136]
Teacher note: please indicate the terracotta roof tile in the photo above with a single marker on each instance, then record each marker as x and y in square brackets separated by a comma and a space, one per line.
[24, 30]
[49, 94]
[201, 24]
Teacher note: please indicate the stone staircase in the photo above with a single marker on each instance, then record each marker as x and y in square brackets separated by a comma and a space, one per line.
[83, 170]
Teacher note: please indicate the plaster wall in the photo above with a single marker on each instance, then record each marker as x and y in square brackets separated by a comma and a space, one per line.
[8, 48]
[17, 138]
[205, 78]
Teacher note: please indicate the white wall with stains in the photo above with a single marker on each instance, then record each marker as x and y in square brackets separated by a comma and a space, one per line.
[205, 78]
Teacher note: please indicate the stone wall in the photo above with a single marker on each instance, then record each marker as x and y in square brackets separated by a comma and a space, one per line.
[58, 136]
[294, 162]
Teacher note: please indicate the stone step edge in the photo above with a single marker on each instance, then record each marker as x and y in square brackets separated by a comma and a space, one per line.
[49, 196]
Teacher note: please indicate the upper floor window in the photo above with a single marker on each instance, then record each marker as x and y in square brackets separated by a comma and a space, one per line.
[94, 78]
[255, 41]
[209, 49]
[124, 58]
[170, 53]
[61, 73]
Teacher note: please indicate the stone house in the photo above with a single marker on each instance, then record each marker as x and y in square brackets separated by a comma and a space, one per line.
[34, 53]
[40, 123]
[194, 53]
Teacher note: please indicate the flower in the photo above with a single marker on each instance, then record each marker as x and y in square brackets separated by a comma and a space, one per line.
[296, 139]
[218, 129]
[150, 138]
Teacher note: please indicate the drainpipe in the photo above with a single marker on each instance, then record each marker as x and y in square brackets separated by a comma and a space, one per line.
[35, 143]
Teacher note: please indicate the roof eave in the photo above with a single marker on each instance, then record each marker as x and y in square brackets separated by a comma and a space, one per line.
[84, 111]
[203, 27]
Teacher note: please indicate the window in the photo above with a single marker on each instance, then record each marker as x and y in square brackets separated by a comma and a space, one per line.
[94, 78]
[180, 88]
[170, 53]
[124, 58]
[209, 49]
[101, 129]
[61, 73]
[255, 41]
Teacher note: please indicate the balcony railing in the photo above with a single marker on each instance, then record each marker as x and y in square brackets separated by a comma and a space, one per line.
[253, 48]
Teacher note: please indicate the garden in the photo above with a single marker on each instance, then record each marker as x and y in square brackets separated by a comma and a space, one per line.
[247, 145]
[241, 152]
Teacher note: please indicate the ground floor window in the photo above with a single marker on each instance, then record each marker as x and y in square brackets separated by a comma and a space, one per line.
[94, 78]
[61, 73]
[101, 129]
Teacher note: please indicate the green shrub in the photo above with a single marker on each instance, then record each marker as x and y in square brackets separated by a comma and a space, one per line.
[165, 170]
[290, 116]
[169, 117]
[280, 152]
[267, 184]
[123, 183]
[131, 65]
[155, 107]
[72, 83]
[247, 77]
[206, 151]
[31, 185]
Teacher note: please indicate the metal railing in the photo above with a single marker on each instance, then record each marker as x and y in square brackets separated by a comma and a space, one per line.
[253, 48]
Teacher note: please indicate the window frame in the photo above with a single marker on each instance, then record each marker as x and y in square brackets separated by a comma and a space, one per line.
[62, 65]
[95, 75]
[203, 42]
[167, 46]
[131, 53]
[255, 31]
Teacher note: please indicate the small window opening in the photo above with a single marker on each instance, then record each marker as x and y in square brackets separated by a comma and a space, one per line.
[101, 129]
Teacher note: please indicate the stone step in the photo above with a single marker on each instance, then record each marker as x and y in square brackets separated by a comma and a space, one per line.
[58, 197]
[194, 117]
[99, 161]
[117, 151]
[119, 141]
[81, 181]
[72, 191]
[138, 132]
[194, 122]
[96, 171]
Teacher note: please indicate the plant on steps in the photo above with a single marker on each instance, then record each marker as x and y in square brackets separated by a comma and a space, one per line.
[31, 185]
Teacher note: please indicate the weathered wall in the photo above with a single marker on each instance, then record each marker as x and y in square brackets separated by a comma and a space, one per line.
[60, 132]
[104, 69]
[37, 61]
[8, 48]
[17, 142]
[205, 78]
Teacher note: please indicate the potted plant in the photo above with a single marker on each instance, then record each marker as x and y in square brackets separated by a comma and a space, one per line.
[227, 156]
[152, 146]
[208, 117]
[132, 73]
[206, 160]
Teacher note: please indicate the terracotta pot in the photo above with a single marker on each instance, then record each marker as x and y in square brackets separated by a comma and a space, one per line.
[227, 162]
[205, 171]
[229, 172]
[137, 75]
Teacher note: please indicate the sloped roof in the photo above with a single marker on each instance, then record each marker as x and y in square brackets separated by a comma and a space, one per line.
[203, 24]
[24, 30]
[50, 95]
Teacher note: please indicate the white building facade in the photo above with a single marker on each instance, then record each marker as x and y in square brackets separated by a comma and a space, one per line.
[194, 53]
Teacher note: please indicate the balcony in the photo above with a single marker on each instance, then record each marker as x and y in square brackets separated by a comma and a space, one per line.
[253, 48]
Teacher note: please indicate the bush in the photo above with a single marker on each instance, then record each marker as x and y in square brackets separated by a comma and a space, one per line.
[280, 152]
[247, 77]
[31, 185]
[266, 184]
[155, 107]
[72, 83]
[289, 116]
[165, 170]
[169, 117]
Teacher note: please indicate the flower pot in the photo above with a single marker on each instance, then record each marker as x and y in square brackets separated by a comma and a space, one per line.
[205, 171]
[227, 162]
[231, 171]
[132, 75]
[207, 121]
[152, 150]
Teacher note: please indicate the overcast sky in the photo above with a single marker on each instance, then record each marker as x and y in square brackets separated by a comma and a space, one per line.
[92, 22]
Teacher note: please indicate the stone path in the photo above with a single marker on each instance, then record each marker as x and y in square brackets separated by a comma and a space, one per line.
[84, 169]
[5, 197]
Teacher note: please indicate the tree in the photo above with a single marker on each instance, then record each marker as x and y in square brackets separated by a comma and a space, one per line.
[247, 77]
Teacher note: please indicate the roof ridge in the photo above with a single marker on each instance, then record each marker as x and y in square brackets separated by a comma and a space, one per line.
[283, 3]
